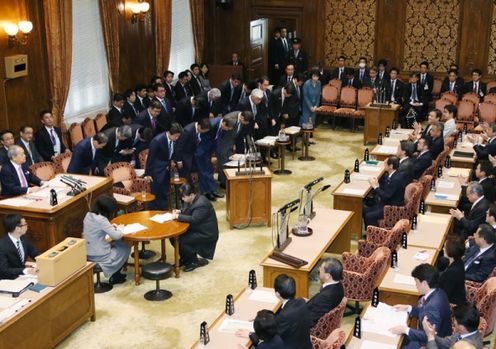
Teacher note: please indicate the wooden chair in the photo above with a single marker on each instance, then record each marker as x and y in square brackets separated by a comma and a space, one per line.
[365, 96]
[61, 162]
[487, 112]
[329, 321]
[88, 127]
[426, 182]
[392, 214]
[329, 101]
[142, 156]
[347, 103]
[472, 97]
[450, 96]
[466, 113]
[440, 104]
[490, 98]
[75, 134]
[44, 170]
[436, 88]
[336, 83]
[490, 85]
[336, 340]
[100, 121]
[123, 172]
[484, 299]
[378, 237]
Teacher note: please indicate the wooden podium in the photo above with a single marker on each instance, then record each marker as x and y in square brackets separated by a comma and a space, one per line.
[248, 194]
[376, 120]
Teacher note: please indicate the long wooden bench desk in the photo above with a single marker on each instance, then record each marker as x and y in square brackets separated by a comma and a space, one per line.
[462, 161]
[432, 230]
[350, 196]
[51, 315]
[331, 232]
[246, 305]
[448, 191]
[390, 144]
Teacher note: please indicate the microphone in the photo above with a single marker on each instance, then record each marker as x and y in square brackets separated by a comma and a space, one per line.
[289, 204]
[312, 183]
[321, 189]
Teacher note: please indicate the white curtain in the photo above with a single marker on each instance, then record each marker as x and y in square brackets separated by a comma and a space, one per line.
[182, 46]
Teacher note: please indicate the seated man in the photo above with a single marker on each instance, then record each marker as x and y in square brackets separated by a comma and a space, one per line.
[390, 191]
[6, 140]
[203, 232]
[331, 292]
[433, 117]
[433, 304]
[467, 318]
[405, 154]
[484, 150]
[15, 249]
[449, 114]
[85, 156]
[480, 259]
[424, 158]
[437, 140]
[491, 216]
[26, 142]
[15, 175]
[467, 222]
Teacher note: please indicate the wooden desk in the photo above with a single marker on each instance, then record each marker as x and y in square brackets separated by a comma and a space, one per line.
[49, 225]
[431, 232]
[245, 310]
[440, 205]
[391, 144]
[393, 293]
[52, 314]
[331, 232]
[248, 198]
[155, 231]
[376, 120]
[458, 161]
[350, 196]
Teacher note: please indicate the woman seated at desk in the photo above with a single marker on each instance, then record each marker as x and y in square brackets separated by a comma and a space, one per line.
[111, 257]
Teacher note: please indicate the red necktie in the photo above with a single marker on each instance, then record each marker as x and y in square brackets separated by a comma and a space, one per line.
[24, 182]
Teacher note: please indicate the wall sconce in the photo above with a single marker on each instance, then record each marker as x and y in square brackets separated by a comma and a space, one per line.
[11, 29]
[139, 11]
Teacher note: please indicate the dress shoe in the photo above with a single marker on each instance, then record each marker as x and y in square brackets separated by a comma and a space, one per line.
[222, 185]
[217, 195]
[201, 262]
[117, 279]
[210, 196]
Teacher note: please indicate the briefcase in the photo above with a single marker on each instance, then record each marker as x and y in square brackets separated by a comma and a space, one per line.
[62, 260]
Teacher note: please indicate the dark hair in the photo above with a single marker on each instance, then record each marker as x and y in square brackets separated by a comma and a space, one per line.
[424, 63]
[155, 105]
[334, 267]
[290, 88]
[350, 71]
[426, 272]
[427, 142]
[43, 112]
[478, 71]
[247, 115]
[140, 87]
[393, 160]
[167, 72]
[182, 75]
[157, 86]
[395, 69]
[251, 85]
[175, 129]
[492, 210]
[155, 78]
[414, 75]
[100, 138]
[486, 167]
[205, 124]
[455, 247]
[193, 66]
[292, 64]
[314, 72]
[236, 77]
[146, 133]
[4, 132]
[454, 71]
[382, 62]
[364, 58]
[452, 109]
[467, 315]
[11, 221]
[374, 68]
[187, 189]
[341, 57]
[105, 205]
[128, 93]
[285, 285]
[265, 325]
[487, 233]
[408, 147]
[439, 114]
[262, 79]
[23, 128]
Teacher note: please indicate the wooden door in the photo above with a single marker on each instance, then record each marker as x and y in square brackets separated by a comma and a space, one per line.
[257, 53]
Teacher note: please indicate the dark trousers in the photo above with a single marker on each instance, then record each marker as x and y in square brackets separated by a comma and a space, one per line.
[371, 215]
[161, 192]
[206, 173]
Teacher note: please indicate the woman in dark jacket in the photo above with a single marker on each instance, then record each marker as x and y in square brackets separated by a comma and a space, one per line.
[452, 280]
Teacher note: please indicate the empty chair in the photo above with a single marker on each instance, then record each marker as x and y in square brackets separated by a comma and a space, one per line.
[61, 162]
[441, 103]
[484, 299]
[75, 134]
[450, 96]
[336, 83]
[365, 96]
[347, 103]
[378, 237]
[392, 214]
[436, 87]
[487, 112]
[44, 170]
[123, 172]
[490, 98]
[88, 126]
[489, 86]
[335, 340]
[471, 97]
[329, 321]
[142, 156]
[157, 271]
[329, 101]
[466, 112]
[426, 182]
[100, 121]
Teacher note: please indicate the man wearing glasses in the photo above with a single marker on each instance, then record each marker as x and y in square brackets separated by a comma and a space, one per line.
[15, 249]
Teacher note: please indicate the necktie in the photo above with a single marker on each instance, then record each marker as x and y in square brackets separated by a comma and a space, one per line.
[340, 72]
[254, 110]
[471, 259]
[392, 90]
[24, 182]
[452, 86]
[381, 74]
[30, 153]
[52, 136]
[20, 251]
[361, 74]
[289, 79]
[423, 79]
[475, 87]
[422, 302]
[198, 138]
[165, 105]
[134, 109]
[154, 123]
[285, 45]
[414, 92]
[171, 148]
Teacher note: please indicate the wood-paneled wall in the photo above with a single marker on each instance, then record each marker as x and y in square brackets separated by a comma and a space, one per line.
[440, 31]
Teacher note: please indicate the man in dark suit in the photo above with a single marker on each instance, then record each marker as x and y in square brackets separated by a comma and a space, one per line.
[484, 174]
[153, 119]
[139, 141]
[187, 144]
[169, 87]
[484, 150]
[48, 139]
[235, 60]
[253, 104]
[351, 80]
[203, 232]
[281, 52]
[331, 292]
[476, 85]
[433, 304]
[341, 70]
[166, 115]
[467, 320]
[371, 80]
[140, 103]
[405, 154]
[116, 147]
[7, 140]
[182, 89]
[426, 82]
[362, 71]
[293, 319]
[382, 73]
[16, 249]
[424, 158]
[467, 222]
[114, 115]
[414, 97]
[26, 142]
[86, 154]
[298, 57]
[288, 76]
[188, 110]
[195, 84]
[15, 176]
[480, 259]
[279, 106]
[437, 140]
[452, 84]
[213, 104]
[434, 117]
[230, 93]
[395, 87]
[159, 163]
[130, 104]
[390, 191]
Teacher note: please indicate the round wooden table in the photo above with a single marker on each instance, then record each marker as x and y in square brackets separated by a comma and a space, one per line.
[144, 199]
[155, 231]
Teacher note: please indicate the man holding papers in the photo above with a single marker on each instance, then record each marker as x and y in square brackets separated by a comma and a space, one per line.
[433, 304]
[15, 249]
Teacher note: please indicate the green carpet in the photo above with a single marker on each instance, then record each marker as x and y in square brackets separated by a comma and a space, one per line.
[124, 319]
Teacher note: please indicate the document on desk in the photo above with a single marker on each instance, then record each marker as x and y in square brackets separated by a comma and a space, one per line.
[353, 191]
[13, 308]
[379, 320]
[387, 150]
[133, 228]
[263, 296]
[449, 197]
[17, 202]
[445, 184]
[422, 256]
[372, 168]
[14, 286]
[232, 325]
[360, 177]
[366, 344]
[162, 218]
[403, 279]
[292, 130]
[45, 192]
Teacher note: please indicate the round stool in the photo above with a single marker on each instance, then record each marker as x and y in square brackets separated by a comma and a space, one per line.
[157, 271]
[100, 287]
[282, 156]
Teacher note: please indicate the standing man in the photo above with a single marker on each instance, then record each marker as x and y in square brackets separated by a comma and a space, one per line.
[298, 57]
[195, 83]
[394, 88]
[115, 113]
[230, 93]
[341, 71]
[426, 82]
[480, 259]
[159, 164]
[48, 139]
[152, 119]
[85, 157]
[116, 146]
[281, 48]
[26, 142]
[166, 115]
[476, 85]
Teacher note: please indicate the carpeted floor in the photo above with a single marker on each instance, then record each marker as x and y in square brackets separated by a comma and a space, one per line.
[125, 319]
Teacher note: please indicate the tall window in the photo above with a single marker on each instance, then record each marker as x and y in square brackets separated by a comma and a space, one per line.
[89, 89]
[182, 46]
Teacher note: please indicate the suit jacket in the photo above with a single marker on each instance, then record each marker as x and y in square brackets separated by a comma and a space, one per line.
[452, 281]
[195, 85]
[488, 184]
[32, 147]
[385, 75]
[300, 62]
[426, 85]
[162, 123]
[280, 54]
[469, 87]
[130, 109]
[181, 91]
[437, 309]
[447, 342]
[421, 164]
[293, 324]
[398, 92]
[473, 217]
[82, 160]
[421, 94]
[4, 156]
[367, 82]
[457, 88]
[11, 265]
[482, 266]
[406, 170]
[325, 300]
[325, 77]
[187, 144]
[11, 185]
[185, 113]
[355, 82]
[335, 74]
[44, 143]
[140, 105]
[275, 343]
[214, 107]
[170, 94]
[228, 103]
[366, 74]
[200, 215]
[158, 162]
[391, 190]
[283, 80]
[483, 151]
[437, 146]
[278, 107]
[166, 115]
[114, 115]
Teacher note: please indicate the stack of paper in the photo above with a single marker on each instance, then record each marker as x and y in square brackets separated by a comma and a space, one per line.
[162, 218]
[403, 279]
[292, 130]
[231, 325]
[17, 202]
[14, 286]
[387, 150]
[422, 256]
[445, 184]
[263, 296]
[133, 228]
[268, 140]
[360, 177]
[451, 197]
[379, 320]
[353, 191]
[140, 172]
